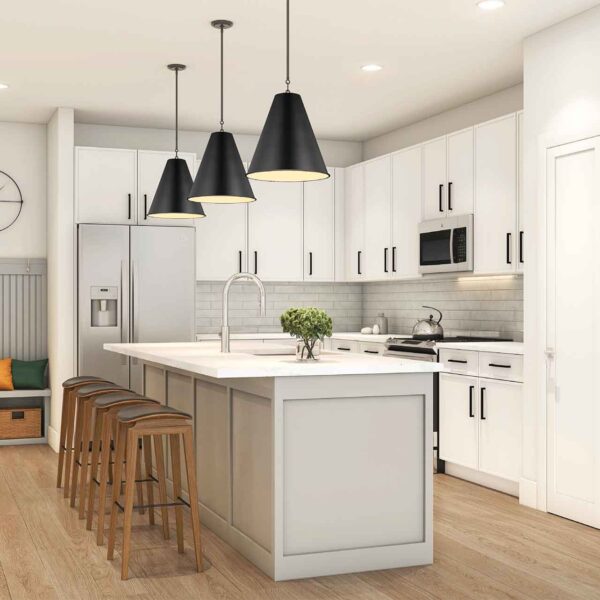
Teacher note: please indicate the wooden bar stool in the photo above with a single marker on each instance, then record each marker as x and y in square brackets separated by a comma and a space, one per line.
[84, 397]
[155, 421]
[67, 427]
[105, 410]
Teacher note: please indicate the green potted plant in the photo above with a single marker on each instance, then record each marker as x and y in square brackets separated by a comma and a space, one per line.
[309, 326]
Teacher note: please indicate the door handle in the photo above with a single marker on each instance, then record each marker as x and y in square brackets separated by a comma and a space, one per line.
[145, 206]
[240, 261]
[121, 302]
[255, 262]
[385, 260]
[471, 390]
[359, 255]
[129, 207]
[508, 257]
[393, 259]
[310, 263]
[440, 194]
[449, 195]
[521, 247]
[481, 406]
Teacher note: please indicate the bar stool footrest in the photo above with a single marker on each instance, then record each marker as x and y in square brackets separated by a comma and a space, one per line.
[181, 502]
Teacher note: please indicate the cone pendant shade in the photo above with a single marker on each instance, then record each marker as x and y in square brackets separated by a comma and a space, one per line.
[171, 198]
[221, 178]
[287, 149]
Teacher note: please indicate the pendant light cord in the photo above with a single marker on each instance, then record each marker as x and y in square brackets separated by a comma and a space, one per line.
[222, 121]
[176, 113]
[287, 46]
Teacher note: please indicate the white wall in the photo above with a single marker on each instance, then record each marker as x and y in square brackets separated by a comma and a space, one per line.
[561, 101]
[336, 154]
[478, 111]
[61, 261]
[23, 157]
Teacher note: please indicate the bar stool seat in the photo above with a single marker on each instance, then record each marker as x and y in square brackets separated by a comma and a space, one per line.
[80, 379]
[138, 413]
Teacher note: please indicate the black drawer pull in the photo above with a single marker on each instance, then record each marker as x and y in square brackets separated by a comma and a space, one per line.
[455, 360]
[255, 262]
[499, 366]
[471, 413]
[16, 415]
[440, 192]
[344, 349]
[449, 195]
[481, 413]
[508, 257]
[521, 247]
[310, 264]
[240, 261]
[129, 207]
[371, 351]
[385, 260]
[145, 207]
[394, 259]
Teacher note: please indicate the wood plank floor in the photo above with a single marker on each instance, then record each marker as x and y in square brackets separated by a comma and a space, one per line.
[486, 547]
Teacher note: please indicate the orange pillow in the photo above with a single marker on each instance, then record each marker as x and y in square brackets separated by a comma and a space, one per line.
[6, 382]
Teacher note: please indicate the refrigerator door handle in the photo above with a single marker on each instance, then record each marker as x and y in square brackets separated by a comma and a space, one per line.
[121, 303]
[134, 306]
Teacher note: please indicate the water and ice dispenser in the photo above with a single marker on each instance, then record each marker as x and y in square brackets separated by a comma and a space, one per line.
[104, 306]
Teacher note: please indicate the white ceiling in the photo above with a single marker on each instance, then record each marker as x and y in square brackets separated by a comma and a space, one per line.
[107, 59]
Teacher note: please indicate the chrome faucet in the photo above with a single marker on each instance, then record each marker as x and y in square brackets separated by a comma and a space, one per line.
[263, 304]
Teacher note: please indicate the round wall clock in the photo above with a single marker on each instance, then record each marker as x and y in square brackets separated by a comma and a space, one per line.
[11, 201]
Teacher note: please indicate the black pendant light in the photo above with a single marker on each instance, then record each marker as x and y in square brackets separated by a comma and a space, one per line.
[287, 149]
[171, 198]
[221, 178]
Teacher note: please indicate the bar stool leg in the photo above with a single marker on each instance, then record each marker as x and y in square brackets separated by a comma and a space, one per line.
[162, 483]
[138, 476]
[130, 484]
[86, 440]
[188, 446]
[176, 474]
[147, 444]
[121, 438]
[63, 436]
[97, 449]
[105, 457]
[69, 443]
[77, 450]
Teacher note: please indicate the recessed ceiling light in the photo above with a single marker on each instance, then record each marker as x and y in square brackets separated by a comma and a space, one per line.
[3, 86]
[490, 4]
[371, 68]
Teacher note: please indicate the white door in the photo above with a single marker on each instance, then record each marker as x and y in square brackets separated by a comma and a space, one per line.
[319, 229]
[495, 196]
[354, 218]
[500, 405]
[458, 412]
[406, 213]
[573, 330]
[151, 165]
[520, 196]
[378, 216]
[275, 241]
[460, 173]
[105, 185]
[434, 179]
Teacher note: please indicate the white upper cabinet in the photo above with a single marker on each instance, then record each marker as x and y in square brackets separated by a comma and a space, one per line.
[406, 213]
[434, 179]
[150, 167]
[496, 196]
[520, 194]
[275, 231]
[105, 185]
[459, 192]
[319, 229]
[354, 222]
[377, 260]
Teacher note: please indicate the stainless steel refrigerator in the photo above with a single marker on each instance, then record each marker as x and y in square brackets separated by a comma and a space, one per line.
[135, 284]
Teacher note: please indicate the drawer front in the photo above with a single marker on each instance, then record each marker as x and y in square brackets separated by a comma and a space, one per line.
[495, 365]
[463, 362]
[369, 348]
[343, 345]
[18, 423]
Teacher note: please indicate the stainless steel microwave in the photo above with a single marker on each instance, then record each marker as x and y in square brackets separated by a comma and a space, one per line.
[446, 245]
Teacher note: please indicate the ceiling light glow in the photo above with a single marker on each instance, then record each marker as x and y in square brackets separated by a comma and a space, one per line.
[3, 86]
[490, 4]
[371, 68]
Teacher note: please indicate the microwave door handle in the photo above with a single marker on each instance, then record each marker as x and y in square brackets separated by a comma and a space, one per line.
[452, 246]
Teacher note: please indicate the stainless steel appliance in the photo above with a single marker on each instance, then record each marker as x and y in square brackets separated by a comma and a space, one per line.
[429, 329]
[446, 245]
[135, 284]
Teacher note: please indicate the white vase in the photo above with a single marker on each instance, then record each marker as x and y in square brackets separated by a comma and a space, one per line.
[305, 353]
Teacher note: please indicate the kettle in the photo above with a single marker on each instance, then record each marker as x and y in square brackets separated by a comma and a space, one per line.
[429, 329]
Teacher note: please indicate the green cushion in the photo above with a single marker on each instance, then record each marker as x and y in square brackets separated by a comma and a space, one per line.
[29, 375]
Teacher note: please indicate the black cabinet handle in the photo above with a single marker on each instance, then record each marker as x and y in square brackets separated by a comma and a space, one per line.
[370, 352]
[344, 349]
[471, 413]
[440, 193]
[255, 262]
[508, 258]
[385, 257]
[499, 366]
[455, 360]
[128, 207]
[359, 254]
[310, 264]
[521, 247]
[394, 259]
[240, 261]
[145, 206]
[449, 195]
[481, 413]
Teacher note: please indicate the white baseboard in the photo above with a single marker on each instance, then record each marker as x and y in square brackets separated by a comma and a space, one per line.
[528, 492]
[53, 438]
[484, 479]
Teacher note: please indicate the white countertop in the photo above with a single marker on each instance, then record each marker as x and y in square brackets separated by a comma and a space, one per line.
[502, 347]
[205, 358]
[355, 337]
[364, 337]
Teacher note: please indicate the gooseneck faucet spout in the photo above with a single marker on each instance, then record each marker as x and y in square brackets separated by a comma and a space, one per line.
[225, 322]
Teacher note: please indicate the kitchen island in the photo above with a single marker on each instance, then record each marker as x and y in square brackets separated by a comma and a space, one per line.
[306, 468]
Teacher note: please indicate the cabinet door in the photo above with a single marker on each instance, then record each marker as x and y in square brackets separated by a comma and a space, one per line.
[460, 173]
[275, 231]
[520, 198]
[500, 428]
[406, 213]
[434, 179]
[151, 165]
[105, 185]
[458, 419]
[378, 214]
[496, 195]
[319, 233]
[354, 222]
